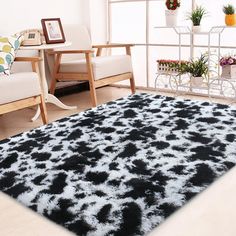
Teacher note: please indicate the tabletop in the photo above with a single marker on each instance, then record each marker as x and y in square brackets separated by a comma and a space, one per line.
[46, 46]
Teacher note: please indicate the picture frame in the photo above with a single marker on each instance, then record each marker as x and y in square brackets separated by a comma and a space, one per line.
[53, 31]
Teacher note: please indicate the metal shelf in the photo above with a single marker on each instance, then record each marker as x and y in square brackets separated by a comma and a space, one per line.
[190, 86]
[216, 82]
[186, 30]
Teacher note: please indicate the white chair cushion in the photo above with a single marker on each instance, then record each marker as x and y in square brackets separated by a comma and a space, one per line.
[103, 67]
[19, 86]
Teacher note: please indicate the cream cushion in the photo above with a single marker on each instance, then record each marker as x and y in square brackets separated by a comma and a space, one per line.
[19, 86]
[104, 66]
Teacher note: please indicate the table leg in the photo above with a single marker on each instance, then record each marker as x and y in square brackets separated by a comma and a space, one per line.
[37, 114]
[49, 98]
[52, 99]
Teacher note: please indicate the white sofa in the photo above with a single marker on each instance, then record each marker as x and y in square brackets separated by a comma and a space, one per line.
[21, 90]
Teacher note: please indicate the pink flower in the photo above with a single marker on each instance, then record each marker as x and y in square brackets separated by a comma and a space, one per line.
[230, 60]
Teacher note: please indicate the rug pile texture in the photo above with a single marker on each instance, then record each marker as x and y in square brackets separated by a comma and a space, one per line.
[123, 167]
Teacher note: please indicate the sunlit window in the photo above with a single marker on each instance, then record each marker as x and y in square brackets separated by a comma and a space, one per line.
[135, 22]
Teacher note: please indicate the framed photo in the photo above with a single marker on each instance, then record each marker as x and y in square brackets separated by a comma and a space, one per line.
[53, 31]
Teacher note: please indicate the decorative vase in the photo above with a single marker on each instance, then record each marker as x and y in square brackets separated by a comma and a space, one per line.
[230, 20]
[171, 18]
[229, 71]
[196, 28]
[196, 81]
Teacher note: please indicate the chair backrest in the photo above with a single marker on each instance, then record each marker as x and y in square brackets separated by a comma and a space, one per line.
[80, 38]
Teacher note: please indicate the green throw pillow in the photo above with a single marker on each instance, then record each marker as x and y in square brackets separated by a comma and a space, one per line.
[8, 48]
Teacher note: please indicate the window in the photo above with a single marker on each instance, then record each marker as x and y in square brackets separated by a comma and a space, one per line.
[134, 21]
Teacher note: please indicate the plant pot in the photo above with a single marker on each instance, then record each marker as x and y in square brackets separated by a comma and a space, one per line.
[228, 71]
[230, 20]
[196, 28]
[196, 81]
[171, 18]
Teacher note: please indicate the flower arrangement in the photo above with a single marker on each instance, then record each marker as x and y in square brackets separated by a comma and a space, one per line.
[171, 62]
[170, 65]
[172, 4]
[228, 60]
[197, 68]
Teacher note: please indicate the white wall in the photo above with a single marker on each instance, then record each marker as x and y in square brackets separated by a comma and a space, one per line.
[98, 21]
[94, 16]
[25, 14]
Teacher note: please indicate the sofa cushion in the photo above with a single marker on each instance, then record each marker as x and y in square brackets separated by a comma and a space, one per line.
[103, 67]
[8, 48]
[18, 86]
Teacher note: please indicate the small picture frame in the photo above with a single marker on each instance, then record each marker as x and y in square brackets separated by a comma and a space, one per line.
[53, 31]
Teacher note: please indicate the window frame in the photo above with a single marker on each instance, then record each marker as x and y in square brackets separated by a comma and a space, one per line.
[147, 43]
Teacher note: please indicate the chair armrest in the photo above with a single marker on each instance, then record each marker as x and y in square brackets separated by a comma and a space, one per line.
[28, 59]
[34, 62]
[115, 45]
[69, 52]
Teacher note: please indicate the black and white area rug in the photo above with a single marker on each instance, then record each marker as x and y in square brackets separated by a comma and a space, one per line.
[123, 167]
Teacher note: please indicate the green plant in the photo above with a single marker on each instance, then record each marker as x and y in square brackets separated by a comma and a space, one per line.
[229, 9]
[196, 15]
[197, 68]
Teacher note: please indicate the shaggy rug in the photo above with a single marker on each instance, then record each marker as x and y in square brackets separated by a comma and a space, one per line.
[123, 167]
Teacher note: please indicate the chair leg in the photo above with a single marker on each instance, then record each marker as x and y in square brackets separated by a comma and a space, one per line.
[91, 80]
[93, 93]
[132, 85]
[43, 110]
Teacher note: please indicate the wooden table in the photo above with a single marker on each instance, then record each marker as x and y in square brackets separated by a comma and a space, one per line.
[49, 98]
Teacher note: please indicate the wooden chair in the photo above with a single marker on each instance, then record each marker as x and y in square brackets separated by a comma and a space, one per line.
[98, 71]
[21, 90]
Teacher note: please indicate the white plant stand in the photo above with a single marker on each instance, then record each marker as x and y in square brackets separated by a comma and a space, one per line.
[214, 81]
[224, 85]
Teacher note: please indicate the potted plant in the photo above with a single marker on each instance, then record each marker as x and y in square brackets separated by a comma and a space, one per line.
[196, 17]
[198, 69]
[172, 12]
[230, 17]
[228, 64]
